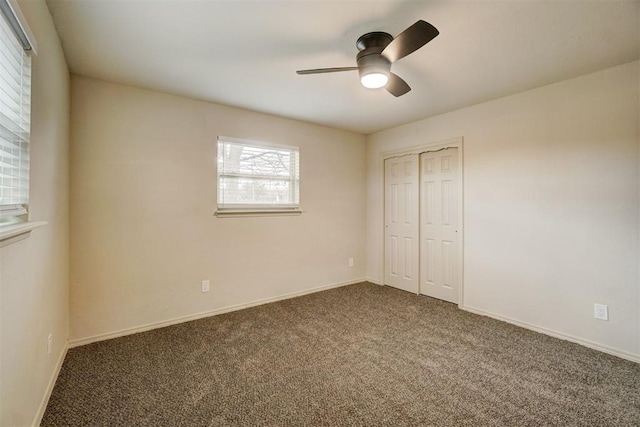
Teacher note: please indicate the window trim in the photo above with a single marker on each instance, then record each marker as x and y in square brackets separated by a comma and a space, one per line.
[14, 232]
[256, 213]
[15, 224]
[19, 24]
[10, 13]
[252, 210]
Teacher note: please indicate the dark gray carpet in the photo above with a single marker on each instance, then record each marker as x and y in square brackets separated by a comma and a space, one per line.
[361, 355]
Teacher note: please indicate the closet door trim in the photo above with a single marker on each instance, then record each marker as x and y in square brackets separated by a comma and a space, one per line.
[456, 142]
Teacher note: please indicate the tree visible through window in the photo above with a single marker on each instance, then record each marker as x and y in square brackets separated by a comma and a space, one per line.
[257, 176]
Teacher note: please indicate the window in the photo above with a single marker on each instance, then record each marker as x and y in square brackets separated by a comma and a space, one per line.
[15, 112]
[257, 177]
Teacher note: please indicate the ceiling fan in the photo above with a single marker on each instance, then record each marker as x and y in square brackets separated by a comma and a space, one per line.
[378, 50]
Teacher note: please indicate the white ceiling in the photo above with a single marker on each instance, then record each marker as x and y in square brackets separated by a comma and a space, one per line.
[245, 53]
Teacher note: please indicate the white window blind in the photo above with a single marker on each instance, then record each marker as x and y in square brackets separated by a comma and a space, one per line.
[15, 111]
[257, 176]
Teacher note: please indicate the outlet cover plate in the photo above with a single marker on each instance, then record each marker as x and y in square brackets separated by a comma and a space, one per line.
[206, 286]
[601, 311]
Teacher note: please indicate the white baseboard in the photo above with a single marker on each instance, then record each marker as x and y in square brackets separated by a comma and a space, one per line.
[375, 282]
[52, 382]
[176, 320]
[596, 346]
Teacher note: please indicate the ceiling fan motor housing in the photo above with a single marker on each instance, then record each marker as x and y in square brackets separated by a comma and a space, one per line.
[369, 58]
[374, 39]
[373, 62]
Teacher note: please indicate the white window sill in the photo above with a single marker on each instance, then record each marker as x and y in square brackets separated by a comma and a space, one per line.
[256, 212]
[12, 233]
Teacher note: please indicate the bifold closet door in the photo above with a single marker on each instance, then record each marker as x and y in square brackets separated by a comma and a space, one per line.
[439, 237]
[401, 213]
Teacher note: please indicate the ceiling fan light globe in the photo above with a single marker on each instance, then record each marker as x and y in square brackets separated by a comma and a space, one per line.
[374, 80]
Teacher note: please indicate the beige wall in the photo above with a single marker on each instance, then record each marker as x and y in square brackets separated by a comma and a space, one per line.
[550, 205]
[143, 191]
[34, 272]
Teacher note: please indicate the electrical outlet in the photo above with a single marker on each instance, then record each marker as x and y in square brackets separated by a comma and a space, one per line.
[49, 344]
[206, 286]
[601, 311]
[350, 262]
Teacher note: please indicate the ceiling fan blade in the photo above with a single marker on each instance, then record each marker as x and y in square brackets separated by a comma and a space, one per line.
[410, 40]
[326, 70]
[396, 86]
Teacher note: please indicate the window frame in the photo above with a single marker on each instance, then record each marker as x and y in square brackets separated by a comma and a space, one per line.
[16, 131]
[256, 209]
[15, 224]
